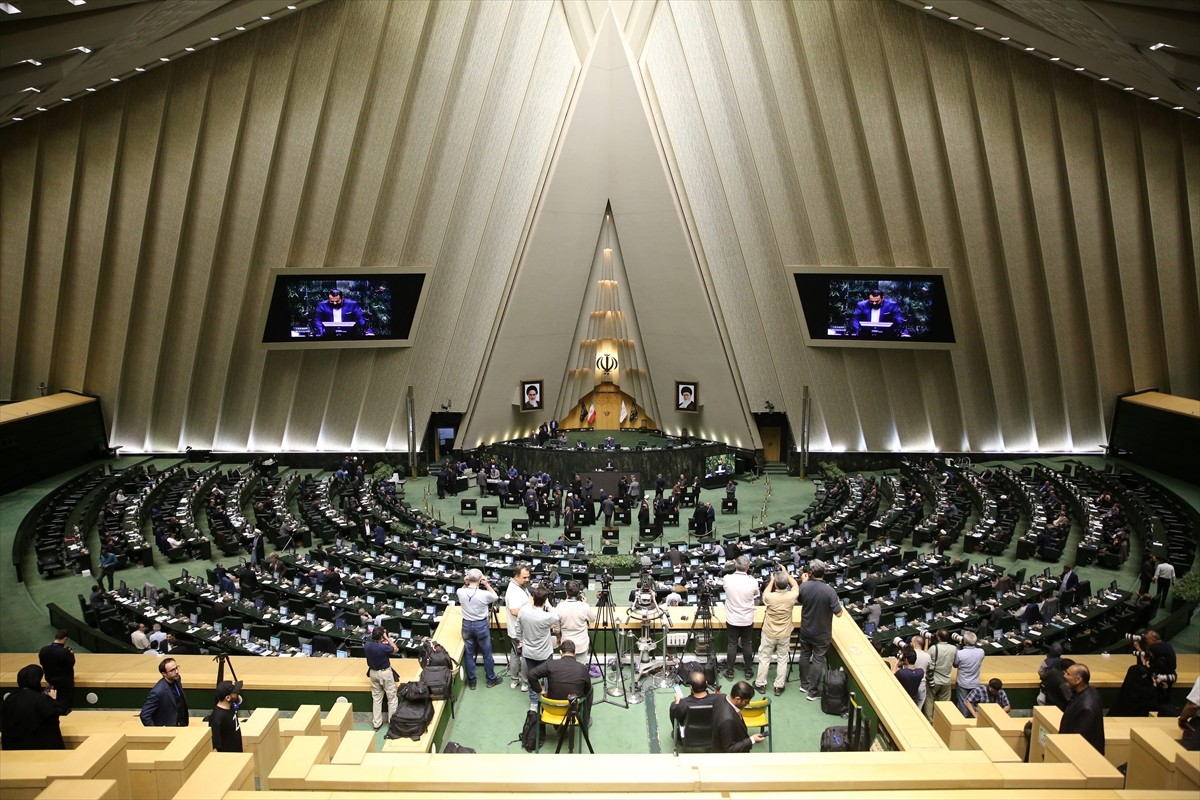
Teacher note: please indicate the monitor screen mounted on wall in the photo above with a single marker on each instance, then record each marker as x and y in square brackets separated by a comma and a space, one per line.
[342, 307]
[888, 307]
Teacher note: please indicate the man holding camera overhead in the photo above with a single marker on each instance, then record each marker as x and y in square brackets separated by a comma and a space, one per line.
[969, 661]
[779, 599]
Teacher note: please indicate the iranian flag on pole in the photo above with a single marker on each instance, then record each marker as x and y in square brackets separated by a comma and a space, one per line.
[591, 414]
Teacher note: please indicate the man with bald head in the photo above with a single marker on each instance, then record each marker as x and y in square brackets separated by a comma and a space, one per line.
[1085, 713]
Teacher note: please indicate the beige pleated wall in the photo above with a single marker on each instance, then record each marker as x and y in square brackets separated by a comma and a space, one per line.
[138, 224]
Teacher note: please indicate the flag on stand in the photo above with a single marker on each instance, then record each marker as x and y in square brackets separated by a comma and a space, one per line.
[624, 411]
[591, 414]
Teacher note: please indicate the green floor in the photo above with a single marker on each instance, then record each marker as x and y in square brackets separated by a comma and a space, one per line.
[490, 719]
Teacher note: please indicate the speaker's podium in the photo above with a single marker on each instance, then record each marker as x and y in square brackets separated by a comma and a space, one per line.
[610, 535]
[622, 516]
[671, 517]
[729, 505]
[491, 514]
[520, 525]
[649, 532]
[573, 534]
[467, 506]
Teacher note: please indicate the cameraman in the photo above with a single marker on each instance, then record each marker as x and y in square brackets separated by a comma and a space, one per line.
[574, 615]
[779, 599]
[942, 655]
[969, 661]
[475, 598]
[1158, 657]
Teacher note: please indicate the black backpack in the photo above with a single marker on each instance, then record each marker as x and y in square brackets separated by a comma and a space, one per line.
[437, 669]
[455, 747]
[414, 710]
[834, 698]
[433, 654]
[529, 736]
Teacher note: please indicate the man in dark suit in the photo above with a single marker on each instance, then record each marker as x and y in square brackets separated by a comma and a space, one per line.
[338, 309]
[730, 734]
[166, 706]
[877, 309]
[58, 663]
[1085, 713]
[700, 696]
[565, 677]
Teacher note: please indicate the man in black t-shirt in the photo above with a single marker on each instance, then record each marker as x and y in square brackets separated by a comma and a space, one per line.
[226, 729]
[58, 662]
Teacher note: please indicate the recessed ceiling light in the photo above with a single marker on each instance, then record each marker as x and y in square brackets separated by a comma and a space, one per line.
[32, 61]
[77, 2]
[240, 28]
[214, 38]
[1129, 88]
[979, 27]
[139, 69]
[9, 8]
[1177, 108]
[1028, 49]
[1055, 58]
[18, 119]
[291, 8]
[91, 88]
[1005, 38]
[41, 108]
[264, 18]
[190, 49]
[82, 49]
[1105, 79]
[1079, 69]
[952, 18]
[66, 99]
[163, 58]
[115, 80]
[1155, 97]
[929, 8]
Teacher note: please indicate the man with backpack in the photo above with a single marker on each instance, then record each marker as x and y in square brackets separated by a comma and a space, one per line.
[379, 669]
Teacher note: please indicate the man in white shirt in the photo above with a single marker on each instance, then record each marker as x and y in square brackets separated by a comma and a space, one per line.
[515, 597]
[158, 639]
[139, 638]
[535, 623]
[741, 592]
[574, 615]
[1164, 574]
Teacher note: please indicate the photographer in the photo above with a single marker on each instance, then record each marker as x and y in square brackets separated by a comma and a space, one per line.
[574, 615]
[969, 661]
[779, 599]
[741, 591]
[907, 673]
[475, 598]
[942, 655]
[535, 621]
[516, 596]
[819, 604]
[1158, 657]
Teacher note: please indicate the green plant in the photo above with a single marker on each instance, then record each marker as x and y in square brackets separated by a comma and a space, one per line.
[618, 563]
[382, 471]
[1187, 588]
[831, 470]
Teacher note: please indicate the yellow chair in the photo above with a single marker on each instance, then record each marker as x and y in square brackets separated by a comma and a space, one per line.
[757, 714]
[566, 716]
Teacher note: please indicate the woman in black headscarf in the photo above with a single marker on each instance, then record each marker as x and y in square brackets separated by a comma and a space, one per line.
[29, 717]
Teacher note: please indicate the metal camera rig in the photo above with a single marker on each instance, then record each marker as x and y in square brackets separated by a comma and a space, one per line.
[613, 689]
[646, 610]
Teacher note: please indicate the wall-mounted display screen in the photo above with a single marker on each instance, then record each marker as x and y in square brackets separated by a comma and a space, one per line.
[343, 307]
[876, 307]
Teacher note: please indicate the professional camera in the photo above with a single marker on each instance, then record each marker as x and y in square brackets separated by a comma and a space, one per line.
[1136, 638]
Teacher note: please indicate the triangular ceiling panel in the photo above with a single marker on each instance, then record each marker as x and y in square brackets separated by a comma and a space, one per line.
[608, 151]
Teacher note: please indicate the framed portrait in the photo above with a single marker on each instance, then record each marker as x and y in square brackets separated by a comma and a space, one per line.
[687, 396]
[531, 396]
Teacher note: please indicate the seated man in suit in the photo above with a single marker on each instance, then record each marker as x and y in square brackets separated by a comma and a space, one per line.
[565, 677]
[877, 309]
[700, 696]
[730, 734]
[338, 310]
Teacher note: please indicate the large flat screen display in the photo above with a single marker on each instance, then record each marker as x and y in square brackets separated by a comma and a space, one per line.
[875, 307]
[343, 307]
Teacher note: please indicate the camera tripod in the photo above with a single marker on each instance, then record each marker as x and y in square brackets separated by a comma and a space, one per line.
[606, 620]
[566, 731]
[700, 635]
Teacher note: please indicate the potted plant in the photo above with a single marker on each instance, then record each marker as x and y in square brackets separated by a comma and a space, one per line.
[1186, 591]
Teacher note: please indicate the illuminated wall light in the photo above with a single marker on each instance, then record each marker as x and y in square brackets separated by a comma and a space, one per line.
[979, 28]
[139, 69]
[1079, 69]
[82, 49]
[115, 80]
[1005, 38]
[240, 28]
[9, 8]
[190, 49]
[1028, 49]
[952, 18]
[163, 58]
[1056, 58]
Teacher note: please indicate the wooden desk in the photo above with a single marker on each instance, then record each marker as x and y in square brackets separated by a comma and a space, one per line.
[989, 740]
[25, 773]
[1158, 761]
[951, 725]
[337, 722]
[1117, 741]
[66, 789]
[305, 722]
[353, 747]
[291, 771]
[1011, 729]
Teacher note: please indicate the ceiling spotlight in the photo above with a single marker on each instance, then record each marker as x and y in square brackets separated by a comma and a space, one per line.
[9, 8]
[1055, 58]
[214, 38]
[929, 8]
[41, 108]
[952, 18]
[190, 49]
[115, 80]
[1079, 69]
[240, 28]
[163, 58]
[139, 69]
[1005, 38]
[1177, 108]
[18, 119]
[82, 49]
[1129, 88]
[1106, 79]
[979, 28]
[264, 18]
[1028, 49]
[1154, 98]
[66, 99]
[77, 2]
[291, 8]
[32, 61]
[91, 88]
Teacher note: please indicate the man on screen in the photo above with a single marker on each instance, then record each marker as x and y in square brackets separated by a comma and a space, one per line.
[340, 312]
[533, 398]
[686, 403]
[875, 313]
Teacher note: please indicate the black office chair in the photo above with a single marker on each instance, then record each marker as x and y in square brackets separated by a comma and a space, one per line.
[696, 732]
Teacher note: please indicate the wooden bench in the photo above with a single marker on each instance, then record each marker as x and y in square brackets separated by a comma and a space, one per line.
[1011, 729]
[300, 755]
[1073, 749]
[25, 773]
[261, 739]
[161, 773]
[353, 747]
[67, 789]
[1158, 761]
[951, 725]
[305, 722]
[989, 740]
[217, 774]
[337, 723]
